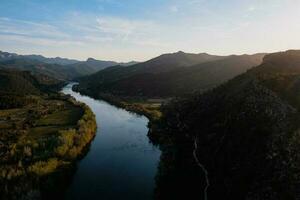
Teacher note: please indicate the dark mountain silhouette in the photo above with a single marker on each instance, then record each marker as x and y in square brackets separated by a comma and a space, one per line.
[246, 131]
[169, 75]
[25, 82]
[18, 82]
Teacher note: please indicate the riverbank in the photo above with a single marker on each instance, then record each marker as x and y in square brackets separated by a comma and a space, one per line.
[41, 140]
[148, 108]
[178, 175]
[121, 161]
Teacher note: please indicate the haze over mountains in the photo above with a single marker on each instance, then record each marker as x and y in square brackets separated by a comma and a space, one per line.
[164, 76]
[4, 56]
[169, 75]
[60, 68]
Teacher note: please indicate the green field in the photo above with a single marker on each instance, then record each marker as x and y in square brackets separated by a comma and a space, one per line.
[64, 117]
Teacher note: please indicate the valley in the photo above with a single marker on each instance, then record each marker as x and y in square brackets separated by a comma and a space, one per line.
[236, 137]
[149, 100]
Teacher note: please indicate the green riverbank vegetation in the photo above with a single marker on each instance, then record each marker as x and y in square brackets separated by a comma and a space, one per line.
[41, 137]
[42, 133]
[143, 106]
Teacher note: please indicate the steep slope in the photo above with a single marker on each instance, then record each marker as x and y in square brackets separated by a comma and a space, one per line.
[15, 86]
[245, 132]
[25, 82]
[153, 80]
[280, 72]
[17, 82]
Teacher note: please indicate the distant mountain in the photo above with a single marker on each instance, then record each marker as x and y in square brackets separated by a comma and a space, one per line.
[57, 60]
[169, 75]
[52, 70]
[4, 56]
[245, 133]
[126, 64]
[60, 68]
[91, 65]
[169, 62]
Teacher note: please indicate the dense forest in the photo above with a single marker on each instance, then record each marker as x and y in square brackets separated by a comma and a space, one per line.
[244, 134]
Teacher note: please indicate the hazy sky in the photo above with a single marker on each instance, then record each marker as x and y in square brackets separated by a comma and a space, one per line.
[124, 30]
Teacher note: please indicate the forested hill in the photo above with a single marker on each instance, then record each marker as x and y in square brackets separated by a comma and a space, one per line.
[246, 131]
[17, 82]
[16, 85]
[37, 67]
[25, 82]
[169, 75]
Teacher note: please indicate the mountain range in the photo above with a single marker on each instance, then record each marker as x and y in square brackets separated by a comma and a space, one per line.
[168, 75]
[60, 68]
[234, 121]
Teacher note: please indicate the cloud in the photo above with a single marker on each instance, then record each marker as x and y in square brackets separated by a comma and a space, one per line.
[78, 29]
[174, 9]
[200, 25]
[29, 28]
[38, 41]
[251, 8]
[126, 29]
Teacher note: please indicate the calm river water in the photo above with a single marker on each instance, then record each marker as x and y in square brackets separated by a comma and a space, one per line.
[121, 162]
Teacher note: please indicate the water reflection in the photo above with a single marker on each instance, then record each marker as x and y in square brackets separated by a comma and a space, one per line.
[122, 163]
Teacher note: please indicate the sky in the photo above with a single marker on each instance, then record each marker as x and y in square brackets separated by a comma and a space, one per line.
[125, 30]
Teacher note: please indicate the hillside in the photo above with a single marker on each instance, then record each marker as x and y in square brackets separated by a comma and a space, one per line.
[244, 132]
[16, 85]
[169, 75]
[163, 63]
[37, 67]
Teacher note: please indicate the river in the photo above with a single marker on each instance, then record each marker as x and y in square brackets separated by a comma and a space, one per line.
[121, 162]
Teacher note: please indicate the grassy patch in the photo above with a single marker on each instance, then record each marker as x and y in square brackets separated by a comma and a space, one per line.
[64, 117]
[44, 131]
